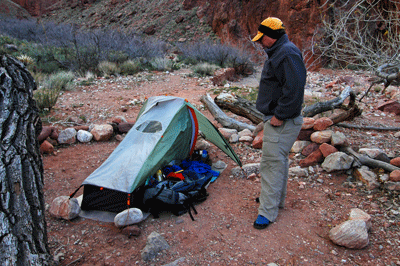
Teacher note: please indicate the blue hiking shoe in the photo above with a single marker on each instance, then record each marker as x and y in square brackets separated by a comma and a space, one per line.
[261, 222]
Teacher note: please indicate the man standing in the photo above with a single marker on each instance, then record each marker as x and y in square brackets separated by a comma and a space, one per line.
[280, 99]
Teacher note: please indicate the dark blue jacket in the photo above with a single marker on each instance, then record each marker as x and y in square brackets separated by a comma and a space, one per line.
[281, 91]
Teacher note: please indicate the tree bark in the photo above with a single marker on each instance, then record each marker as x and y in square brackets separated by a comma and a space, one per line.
[23, 233]
[222, 118]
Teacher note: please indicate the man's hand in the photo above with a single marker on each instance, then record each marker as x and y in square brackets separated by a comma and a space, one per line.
[275, 122]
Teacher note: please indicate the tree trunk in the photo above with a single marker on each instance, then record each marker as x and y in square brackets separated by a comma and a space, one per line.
[23, 235]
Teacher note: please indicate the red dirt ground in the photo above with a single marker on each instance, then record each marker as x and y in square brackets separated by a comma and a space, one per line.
[222, 233]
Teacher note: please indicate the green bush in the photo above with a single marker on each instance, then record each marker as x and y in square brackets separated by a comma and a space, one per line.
[161, 64]
[107, 68]
[130, 67]
[205, 69]
[46, 98]
[61, 81]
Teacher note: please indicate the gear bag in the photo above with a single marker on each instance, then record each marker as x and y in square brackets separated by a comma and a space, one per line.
[177, 197]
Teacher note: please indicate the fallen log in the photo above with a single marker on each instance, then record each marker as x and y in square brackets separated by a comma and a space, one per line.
[368, 127]
[336, 103]
[239, 106]
[221, 117]
[366, 160]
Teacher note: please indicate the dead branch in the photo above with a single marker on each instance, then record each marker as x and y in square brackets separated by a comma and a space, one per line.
[221, 117]
[372, 163]
[336, 103]
[387, 73]
[239, 106]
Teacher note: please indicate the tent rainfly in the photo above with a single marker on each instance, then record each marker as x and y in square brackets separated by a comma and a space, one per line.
[166, 129]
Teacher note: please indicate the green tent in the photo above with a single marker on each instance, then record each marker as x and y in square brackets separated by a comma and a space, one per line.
[166, 129]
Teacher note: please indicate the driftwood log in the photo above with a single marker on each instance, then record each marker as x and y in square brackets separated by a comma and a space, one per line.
[368, 127]
[336, 103]
[245, 108]
[365, 160]
[222, 118]
[239, 106]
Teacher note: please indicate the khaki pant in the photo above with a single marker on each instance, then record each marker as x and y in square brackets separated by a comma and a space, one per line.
[274, 166]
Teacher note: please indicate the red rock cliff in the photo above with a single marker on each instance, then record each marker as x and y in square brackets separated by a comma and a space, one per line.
[239, 19]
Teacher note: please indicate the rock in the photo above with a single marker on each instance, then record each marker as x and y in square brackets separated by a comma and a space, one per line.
[150, 30]
[383, 157]
[252, 176]
[246, 170]
[248, 139]
[234, 138]
[327, 149]
[305, 134]
[180, 19]
[358, 214]
[46, 147]
[227, 132]
[299, 145]
[371, 152]
[258, 129]
[314, 158]
[338, 139]
[84, 136]
[322, 123]
[132, 230]
[202, 144]
[351, 234]
[310, 148]
[308, 123]
[124, 127]
[337, 161]
[222, 75]
[397, 134]
[258, 140]
[245, 133]
[395, 161]
[321, 136]
[394, 176]
[155, 244]
[390, 107]
[76, 120]
[128, 217]
[366, 176]
[65, 208]
[119, 137]
[118, 119]
[219, 166]
[67, 136]
[393, 186]
[298, 171]
[77, 128]
[102, 132]
[47, 132]
[383, 178]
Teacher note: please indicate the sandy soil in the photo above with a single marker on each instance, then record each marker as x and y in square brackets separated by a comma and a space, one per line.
[222, 233]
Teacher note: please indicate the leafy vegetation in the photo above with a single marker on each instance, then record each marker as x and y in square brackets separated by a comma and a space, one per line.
[205, 69]
[56, 53]
[218, 54]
